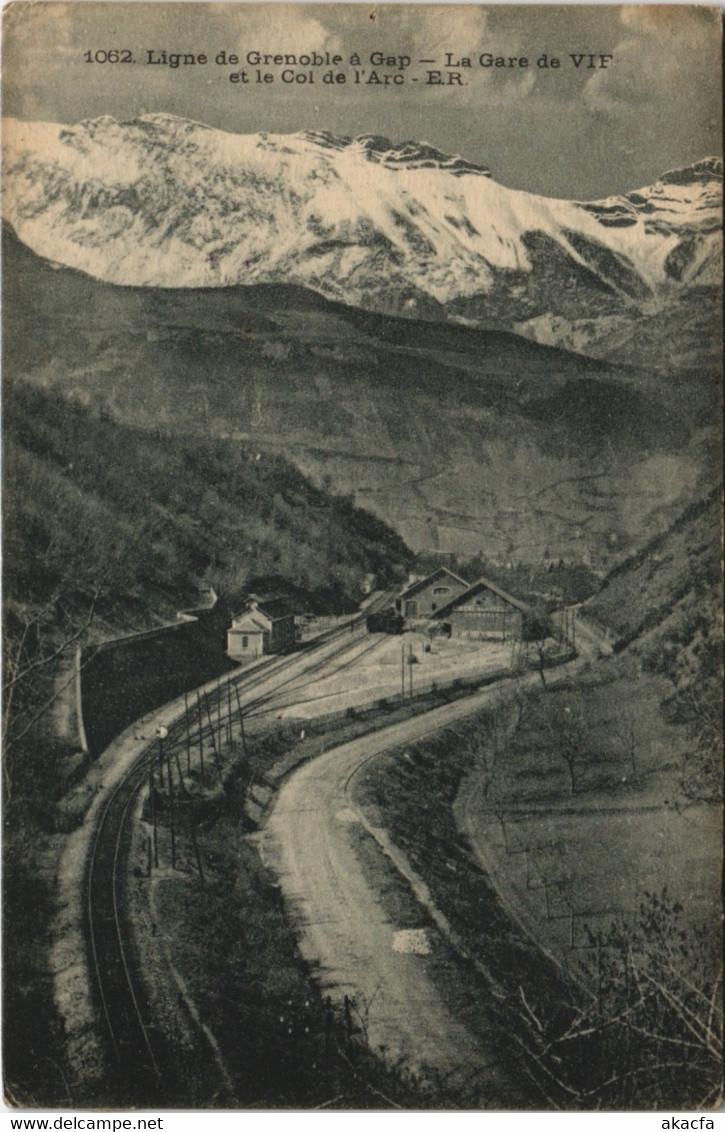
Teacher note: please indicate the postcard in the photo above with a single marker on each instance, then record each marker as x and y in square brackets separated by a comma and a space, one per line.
[362, 589]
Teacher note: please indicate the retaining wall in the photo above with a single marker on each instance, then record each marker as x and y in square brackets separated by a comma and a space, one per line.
[123, 679]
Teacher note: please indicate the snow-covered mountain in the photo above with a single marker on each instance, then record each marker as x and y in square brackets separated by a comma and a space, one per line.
[164, 202]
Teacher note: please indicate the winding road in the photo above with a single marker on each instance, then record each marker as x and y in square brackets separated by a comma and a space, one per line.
[345, 929]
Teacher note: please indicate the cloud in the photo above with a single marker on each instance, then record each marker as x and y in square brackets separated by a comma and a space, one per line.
[663, 48]
[37, 41]
[431, 31]
[275, 28]
[668, 22]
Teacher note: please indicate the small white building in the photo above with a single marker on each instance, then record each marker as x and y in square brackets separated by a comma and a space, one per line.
[245, 637]
[264, 626]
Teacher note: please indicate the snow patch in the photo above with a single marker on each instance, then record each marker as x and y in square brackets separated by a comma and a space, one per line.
[412, 941]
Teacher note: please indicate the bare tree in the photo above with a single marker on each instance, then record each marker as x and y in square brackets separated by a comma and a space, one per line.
[75, 567]
[646, 1035]
[627, 736]
[568, 739]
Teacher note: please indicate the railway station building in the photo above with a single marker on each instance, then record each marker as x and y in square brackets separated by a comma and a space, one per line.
[427, 595]
[484, 611]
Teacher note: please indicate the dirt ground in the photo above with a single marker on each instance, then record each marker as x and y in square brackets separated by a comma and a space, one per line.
[381, 664]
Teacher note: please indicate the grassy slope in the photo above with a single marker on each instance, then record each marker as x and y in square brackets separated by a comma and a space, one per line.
[664, 607]
[549, 854]
[663, 601]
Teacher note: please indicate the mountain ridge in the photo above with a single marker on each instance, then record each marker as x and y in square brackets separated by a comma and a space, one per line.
[399, 228]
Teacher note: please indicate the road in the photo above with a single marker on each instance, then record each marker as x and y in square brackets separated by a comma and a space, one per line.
[345, 928]
[346, 931]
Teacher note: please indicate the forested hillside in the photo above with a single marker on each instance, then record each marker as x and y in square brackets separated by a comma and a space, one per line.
[147, 516]
[110, 528]
[466, 441]
[664, 605]
[664, 600]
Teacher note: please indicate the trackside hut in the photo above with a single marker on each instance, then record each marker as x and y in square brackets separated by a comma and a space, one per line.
[265, 625]
[486, 612]
[245, 638]
[424, 597]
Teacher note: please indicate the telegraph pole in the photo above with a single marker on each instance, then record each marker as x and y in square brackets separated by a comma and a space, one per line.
[188, 734]
[161, 734]
[241, 721]
[213, 737]
[182, 786]
[171, 812]
[201, 736]
[152, 799]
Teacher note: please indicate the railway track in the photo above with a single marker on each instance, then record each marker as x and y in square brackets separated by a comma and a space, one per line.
[141, 1054]
[136, 1050]
[274, 702]
[334, 645]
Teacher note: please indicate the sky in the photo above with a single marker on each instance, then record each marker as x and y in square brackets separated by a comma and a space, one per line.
[579, 132]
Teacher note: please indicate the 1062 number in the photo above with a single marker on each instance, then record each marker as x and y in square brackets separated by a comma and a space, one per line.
[112, 56]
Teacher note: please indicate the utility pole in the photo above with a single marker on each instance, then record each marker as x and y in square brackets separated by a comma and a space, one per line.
[152, 799]
[171, 812]
[213, 739]
[182, 786]
[402, 672]
[188, 734]
[161, 762]
[410, 669]
[161, 733]
[241, 721]
[201, 736]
